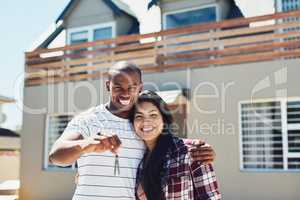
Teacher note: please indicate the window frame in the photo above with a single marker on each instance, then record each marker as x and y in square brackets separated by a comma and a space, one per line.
[45, 166]
[284, 123]
[190, 9]
[90, 29]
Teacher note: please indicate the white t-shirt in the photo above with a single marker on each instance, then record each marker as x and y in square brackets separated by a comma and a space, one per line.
[96, 170]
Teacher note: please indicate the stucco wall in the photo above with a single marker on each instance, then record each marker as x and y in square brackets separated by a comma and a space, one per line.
[37, 183]
[239, 81]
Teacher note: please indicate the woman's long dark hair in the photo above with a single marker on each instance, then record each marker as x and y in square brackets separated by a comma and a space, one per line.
[153, 165]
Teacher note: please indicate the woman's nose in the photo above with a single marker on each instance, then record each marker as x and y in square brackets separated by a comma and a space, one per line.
[147, 121]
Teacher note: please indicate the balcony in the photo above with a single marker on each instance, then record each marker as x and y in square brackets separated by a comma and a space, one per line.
[274, 37]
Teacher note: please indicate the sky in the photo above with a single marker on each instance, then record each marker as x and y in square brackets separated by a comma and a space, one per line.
[23, 22]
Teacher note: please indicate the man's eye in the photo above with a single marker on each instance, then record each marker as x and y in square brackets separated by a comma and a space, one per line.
[132, 88]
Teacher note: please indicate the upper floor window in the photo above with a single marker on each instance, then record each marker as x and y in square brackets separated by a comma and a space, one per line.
[91, 33]
[189, 17]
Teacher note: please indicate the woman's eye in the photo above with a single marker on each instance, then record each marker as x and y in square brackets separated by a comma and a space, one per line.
[138, 117]
[153, 115]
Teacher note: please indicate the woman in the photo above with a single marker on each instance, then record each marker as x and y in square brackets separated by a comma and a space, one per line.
[166, 171]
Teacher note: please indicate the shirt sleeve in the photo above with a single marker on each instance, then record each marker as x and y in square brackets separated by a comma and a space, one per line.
[205, 181]
[78, 125]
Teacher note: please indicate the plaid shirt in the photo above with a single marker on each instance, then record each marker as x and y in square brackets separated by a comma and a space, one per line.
[185, 179]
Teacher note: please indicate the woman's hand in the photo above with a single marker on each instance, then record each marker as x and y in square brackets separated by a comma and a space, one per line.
[140, 193]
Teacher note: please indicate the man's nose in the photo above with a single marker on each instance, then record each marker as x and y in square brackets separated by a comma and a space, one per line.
[125, 93]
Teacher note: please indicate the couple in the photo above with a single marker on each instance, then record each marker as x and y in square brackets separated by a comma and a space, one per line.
[135, 126]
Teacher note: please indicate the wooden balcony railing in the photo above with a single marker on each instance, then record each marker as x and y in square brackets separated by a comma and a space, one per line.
[213, 44]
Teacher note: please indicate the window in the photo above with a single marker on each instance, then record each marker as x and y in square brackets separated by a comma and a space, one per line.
[88, 34]
[270, 135]
[102, 33]
[55, 125]
[190, 17]
[181, 18]
[79, 37]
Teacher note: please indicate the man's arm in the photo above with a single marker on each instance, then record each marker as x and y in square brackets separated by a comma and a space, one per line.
[200, 151]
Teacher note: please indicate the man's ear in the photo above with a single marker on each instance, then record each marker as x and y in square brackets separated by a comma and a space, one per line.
[107, 83]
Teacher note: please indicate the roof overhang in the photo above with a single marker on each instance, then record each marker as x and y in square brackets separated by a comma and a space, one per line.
[4, 99]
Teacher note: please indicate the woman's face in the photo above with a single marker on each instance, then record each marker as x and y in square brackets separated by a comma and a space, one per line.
[148, 122]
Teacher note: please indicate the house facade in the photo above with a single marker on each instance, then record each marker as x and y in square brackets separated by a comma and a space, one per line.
[233, 85]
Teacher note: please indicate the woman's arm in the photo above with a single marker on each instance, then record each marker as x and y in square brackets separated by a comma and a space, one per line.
[204, 181]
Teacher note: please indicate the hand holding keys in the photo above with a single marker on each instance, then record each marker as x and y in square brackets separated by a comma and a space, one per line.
[112, 143]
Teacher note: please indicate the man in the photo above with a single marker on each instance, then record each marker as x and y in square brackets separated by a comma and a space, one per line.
[95, 137]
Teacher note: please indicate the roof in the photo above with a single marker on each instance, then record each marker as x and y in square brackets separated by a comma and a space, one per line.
[235, 11]
[54, 30]
[47, 37]
[4, 99]
[117, 11]
[8, 133]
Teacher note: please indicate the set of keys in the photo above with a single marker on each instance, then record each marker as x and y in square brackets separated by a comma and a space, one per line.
[114, 143]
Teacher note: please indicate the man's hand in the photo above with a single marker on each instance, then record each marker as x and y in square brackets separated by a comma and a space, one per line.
[202, 152]
[100, 143]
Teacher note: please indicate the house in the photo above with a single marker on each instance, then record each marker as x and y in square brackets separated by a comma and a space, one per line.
[234, 85]
[9, 156]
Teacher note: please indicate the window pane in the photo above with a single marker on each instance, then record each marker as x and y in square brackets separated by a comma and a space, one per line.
[293, 118]
[294, 163]
[293, 111]
[202, 15]
[261, 135]
[294, 141]
[56, 126]
[80, 37]
[103, 33]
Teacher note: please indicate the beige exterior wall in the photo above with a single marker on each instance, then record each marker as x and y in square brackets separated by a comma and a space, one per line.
[10, 165]
[10, 168]
[10, 143]
[239, 81]
[37, 183]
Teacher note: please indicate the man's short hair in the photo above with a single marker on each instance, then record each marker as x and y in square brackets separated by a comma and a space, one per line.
[124, 67]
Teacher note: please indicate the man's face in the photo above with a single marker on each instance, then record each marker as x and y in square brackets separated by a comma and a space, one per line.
[124, 89]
